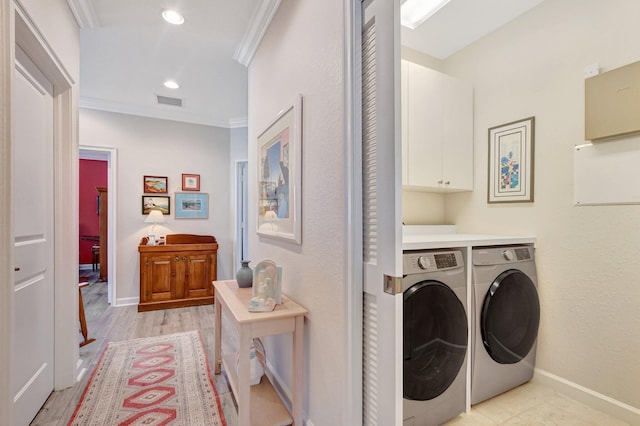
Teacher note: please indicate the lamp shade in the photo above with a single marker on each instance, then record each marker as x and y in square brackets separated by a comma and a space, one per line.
[155, 216]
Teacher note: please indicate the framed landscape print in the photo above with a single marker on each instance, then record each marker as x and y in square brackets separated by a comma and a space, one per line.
[155, 185]
[191, 205]
[511, 162]
[156, 202]
[280, 176]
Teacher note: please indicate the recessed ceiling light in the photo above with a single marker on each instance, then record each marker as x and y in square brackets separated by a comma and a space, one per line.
[170, 84]
[415, 12]
[172, 17]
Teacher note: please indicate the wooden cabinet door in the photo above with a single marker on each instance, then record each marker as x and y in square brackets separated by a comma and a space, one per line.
[198, 275]
[159, 280]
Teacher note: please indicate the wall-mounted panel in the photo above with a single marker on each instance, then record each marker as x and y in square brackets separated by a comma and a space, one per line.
[607, 172]
[612, 103]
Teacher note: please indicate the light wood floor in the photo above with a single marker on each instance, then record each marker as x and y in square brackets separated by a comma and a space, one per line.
[108, 324]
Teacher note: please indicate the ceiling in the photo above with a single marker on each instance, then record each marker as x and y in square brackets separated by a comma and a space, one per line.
[460, 23]
[127, 51]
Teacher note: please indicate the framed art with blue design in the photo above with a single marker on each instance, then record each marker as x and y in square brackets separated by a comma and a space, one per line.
[192, 205]
[511, 165]
[280, 176]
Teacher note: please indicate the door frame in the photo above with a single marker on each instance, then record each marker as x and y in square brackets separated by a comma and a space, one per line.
[241, 192]
[86, 152]
[353, 288]
[18, 28]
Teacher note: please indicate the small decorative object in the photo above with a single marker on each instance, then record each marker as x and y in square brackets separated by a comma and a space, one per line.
[266, 289]
[511, 162]
[190, 182]
[280, 176]
[192, 205]
[244, 276]
[155, 184]
[156, 202]
[257, 361]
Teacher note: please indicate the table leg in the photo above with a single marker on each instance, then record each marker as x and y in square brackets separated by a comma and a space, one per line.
[217, 349]
[244, 394]
[297, 403]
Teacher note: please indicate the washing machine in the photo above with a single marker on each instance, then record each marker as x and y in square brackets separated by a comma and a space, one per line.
[505, 322]
[435, 336]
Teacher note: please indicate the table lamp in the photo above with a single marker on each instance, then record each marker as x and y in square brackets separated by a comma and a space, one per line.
[154, 217]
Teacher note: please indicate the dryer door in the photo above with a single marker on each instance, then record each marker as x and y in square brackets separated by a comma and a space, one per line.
[435, 339]
[510, 317]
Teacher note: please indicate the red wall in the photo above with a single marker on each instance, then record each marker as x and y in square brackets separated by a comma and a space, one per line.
[92, 173]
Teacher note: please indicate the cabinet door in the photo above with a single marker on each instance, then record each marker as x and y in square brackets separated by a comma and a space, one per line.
[198, 275]
[424, 157]
[404, 114]
[457, 134]
[158, 283]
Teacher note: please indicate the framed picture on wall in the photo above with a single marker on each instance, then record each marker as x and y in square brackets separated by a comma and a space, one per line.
[192, 205]
[511, 162]
[190, 182]
[280, 176]
[155, 185]
[156, 202]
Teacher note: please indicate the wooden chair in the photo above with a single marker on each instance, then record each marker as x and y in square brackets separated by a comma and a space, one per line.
[83, 320]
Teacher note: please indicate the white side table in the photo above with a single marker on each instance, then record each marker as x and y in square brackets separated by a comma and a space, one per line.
[259, 404]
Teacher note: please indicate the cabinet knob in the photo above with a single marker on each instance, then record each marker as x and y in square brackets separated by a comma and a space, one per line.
[439, 182]
[177, 259]
[16, 269]
[184, 258]
[447, 182]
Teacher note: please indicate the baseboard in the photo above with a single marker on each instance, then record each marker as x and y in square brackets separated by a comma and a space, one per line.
[127, 301]
[283, 390]
[587, 396]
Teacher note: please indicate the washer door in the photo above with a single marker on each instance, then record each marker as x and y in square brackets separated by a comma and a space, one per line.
[435, 339]
[510, 317]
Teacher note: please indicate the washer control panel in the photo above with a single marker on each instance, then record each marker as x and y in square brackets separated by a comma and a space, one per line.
[416, 262]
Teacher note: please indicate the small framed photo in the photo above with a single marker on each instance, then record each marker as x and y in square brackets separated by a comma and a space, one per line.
[511, 162]
[156, 202]
[155, 185]
[190, 182]
[192, 205]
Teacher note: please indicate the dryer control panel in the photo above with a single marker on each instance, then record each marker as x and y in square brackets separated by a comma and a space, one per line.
[415, 262]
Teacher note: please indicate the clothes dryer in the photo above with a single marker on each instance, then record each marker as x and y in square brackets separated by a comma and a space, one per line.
[435, 336]
[505, 319]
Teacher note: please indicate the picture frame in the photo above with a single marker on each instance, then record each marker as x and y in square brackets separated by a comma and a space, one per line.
[511, 162]
[190, 205]
[156, 202]
[190, 182]
[155, 184]
[279, 176]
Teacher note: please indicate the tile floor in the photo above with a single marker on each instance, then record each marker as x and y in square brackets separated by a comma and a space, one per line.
[534, 404]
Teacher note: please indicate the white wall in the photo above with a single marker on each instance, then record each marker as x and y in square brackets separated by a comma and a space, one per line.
[587, 257]
[302, 52]
[148, 146]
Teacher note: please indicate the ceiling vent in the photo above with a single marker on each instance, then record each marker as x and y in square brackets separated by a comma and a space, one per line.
[166, 100]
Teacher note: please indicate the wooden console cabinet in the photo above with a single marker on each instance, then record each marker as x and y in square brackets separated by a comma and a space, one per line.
[178, 273]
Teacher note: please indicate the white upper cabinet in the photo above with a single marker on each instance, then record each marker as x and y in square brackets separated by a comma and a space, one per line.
[437, 130]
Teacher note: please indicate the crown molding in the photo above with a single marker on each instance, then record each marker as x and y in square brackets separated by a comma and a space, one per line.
[161, 112]
[235, 123]
[83, 12]
[260, 21]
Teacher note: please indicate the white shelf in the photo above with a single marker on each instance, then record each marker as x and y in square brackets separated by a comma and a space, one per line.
[266, 406]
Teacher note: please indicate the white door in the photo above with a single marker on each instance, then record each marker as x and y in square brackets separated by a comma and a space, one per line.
[382, 213]
[32, 334]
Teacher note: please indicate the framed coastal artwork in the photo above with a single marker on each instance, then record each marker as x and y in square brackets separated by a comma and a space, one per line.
[280, 176]
[190, 205]
[155, 185]
[156, 202]
[511, 162]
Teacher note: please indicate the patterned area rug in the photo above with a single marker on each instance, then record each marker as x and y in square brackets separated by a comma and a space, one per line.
[162, 380]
